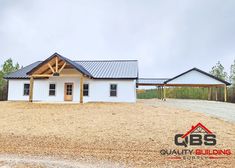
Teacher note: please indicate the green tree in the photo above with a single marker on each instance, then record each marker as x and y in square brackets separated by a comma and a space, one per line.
[218, 71]
[232, 73]
[7, 68]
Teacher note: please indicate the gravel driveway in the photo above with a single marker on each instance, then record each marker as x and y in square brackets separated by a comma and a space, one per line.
[225, 111]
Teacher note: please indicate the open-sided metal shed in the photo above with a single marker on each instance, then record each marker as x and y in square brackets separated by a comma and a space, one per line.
[191, 78]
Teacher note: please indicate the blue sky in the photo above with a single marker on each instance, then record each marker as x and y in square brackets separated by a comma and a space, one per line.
[167, 37]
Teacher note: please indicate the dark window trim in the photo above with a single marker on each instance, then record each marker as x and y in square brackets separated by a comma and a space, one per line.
[52, 89]
[88, 90]
[113, 90]
[25, 89]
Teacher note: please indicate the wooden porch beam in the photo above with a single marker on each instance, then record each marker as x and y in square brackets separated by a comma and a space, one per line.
[196, 85]
[81, 89]
[51, 67]
[56, 64]
[31, 89]
[43, 75]
[62, 67]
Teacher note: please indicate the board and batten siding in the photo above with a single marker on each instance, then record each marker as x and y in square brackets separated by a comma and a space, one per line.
[98, 90]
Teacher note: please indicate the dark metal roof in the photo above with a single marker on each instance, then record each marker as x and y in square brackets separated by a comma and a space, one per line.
[203, 72]
[21, 74]
[106, 69]
[151, 81]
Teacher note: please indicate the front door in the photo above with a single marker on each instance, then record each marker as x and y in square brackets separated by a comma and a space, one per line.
[68, 91]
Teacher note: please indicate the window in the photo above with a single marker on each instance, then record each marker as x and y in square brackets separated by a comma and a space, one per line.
[52, 88]
[69, 89]
[113, 90]
[26, 89]
[85, 89]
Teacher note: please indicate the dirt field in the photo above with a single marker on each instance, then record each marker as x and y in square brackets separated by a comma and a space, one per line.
[102, 135]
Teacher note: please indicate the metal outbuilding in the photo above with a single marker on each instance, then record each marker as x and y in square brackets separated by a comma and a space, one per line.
[191, 78]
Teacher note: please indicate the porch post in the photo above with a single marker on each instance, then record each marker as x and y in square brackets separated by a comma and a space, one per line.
[225, 93]
[81, 89]
[31, 89]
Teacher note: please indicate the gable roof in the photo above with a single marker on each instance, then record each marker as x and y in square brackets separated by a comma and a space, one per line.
[72, 63]
[200, 71]
[100, 69]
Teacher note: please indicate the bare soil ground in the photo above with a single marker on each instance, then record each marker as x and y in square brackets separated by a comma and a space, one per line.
[104, 134]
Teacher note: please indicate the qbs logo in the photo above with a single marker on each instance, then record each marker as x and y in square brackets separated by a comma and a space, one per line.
[196, 136]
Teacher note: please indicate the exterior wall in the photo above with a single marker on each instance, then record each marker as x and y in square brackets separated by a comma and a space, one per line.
[15, 89]
[194, 77]
[98, 90]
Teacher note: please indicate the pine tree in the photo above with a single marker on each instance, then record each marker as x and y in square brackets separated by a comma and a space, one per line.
[218, 71]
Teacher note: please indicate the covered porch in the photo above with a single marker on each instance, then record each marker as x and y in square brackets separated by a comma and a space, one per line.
[57, 69]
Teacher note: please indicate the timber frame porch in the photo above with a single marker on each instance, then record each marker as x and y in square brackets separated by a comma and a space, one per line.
[57, 66]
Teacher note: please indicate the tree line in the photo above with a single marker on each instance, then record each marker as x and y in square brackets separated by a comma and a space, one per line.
[219, 71]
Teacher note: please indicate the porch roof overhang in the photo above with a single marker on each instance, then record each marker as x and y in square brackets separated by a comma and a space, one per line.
[66, 60]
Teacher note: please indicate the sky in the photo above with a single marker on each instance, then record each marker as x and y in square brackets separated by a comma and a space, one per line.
[167, 37]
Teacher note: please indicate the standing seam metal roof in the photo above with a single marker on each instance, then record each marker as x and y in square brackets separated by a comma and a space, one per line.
[103, 69]
[111, 69]
[152, 81]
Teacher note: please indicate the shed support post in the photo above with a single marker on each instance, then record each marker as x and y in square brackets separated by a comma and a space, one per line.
[164, 93]
[216, 94]
[31, 89]
[209, 93]
[81, 89]
[225, 93]
[157, 92]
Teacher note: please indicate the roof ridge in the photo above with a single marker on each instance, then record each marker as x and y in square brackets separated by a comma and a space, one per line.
[152, 78]
[103, 60]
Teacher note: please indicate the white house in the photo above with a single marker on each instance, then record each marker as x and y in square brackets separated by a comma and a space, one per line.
[59, 79]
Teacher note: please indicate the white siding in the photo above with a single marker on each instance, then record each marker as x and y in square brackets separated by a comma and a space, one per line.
[194, 77]
[98, 90]
[16, 90]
